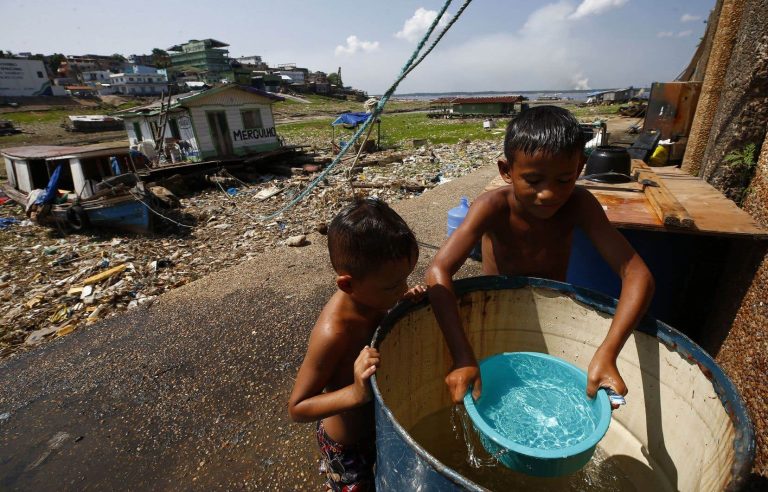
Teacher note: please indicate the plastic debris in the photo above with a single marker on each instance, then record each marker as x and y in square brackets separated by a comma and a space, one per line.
[7, 222]
[103, 274]
[65, 330]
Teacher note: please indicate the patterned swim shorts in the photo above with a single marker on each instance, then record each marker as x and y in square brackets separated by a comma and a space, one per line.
[347, 468]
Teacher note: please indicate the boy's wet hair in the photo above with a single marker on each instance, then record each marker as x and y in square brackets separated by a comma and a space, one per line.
[549, 129]
[365, 234]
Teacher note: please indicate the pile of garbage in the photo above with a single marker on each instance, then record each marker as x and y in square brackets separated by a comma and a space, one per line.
[52, 283]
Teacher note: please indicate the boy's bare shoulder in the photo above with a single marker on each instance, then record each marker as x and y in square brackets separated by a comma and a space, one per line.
[333, 321]
[495, 201]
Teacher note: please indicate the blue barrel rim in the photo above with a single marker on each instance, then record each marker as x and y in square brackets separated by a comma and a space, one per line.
[744, 440]
[603, 414]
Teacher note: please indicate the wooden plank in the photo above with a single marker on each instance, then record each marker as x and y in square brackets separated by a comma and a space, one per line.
[712, 212]
[665, 205]
[104, 275]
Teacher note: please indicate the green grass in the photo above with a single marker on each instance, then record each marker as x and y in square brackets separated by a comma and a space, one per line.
[321, 105]
[595, 111]
[50, 116]
[400, 129]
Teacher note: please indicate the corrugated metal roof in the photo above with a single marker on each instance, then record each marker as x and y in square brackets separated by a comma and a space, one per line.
[180, 99]
[62, 151]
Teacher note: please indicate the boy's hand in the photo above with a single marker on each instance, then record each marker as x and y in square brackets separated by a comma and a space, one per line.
[416, 293]
[603, 373]
[365, 366]
[460, 379]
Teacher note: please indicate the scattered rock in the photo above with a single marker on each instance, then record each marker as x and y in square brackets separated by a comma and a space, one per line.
[297, 241]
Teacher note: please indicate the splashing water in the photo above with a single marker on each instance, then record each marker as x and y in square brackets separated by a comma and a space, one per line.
[544, 409]
[449, 436]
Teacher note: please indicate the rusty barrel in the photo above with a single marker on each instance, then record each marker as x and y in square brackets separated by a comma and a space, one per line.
[685, 426]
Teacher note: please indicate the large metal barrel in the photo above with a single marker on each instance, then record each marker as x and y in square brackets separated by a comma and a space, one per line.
[684, 428]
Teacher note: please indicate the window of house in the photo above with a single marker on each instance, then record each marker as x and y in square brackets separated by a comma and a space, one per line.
[96, 167]
[130, 79]
[174, 126]
[137, 131]
[252, 119]
[39, 75]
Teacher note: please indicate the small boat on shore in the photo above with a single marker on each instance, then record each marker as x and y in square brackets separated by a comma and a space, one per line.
[94, 123]
[77, 187]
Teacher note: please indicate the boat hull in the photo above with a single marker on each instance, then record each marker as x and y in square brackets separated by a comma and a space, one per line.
[127, 215]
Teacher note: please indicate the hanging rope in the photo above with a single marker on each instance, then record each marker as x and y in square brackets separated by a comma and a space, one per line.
[412, 62]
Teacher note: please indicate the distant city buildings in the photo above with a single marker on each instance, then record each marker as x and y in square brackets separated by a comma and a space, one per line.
[194, 65]
[138, 84]
[206, 56]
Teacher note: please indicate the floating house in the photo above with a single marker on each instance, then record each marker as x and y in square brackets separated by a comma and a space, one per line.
[77, 187]
[616, 95]
[470, 107]
[226, 122]
[94, 123]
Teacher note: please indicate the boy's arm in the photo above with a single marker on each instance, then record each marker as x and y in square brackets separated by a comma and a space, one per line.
[637, 287]
[308, 402]
[440, 273]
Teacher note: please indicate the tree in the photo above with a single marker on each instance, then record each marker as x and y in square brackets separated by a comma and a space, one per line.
[160, 58]
[55, 60]
[118, 56]
[333, 78]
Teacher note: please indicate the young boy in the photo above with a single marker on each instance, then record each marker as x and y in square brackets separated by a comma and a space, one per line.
[526, 229]
[372, 251]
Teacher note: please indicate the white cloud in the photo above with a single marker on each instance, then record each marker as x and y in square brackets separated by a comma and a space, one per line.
[689, 18]
[544, 54]
[580, 82]
[415, 27]
[354, 45]
[594, 7]
[672, 34]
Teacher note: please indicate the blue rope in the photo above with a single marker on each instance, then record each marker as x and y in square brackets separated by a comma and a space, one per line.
[407, 68]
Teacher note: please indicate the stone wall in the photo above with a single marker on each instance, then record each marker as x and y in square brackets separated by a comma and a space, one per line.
[743, 107]
[744, 354]
[717, 68]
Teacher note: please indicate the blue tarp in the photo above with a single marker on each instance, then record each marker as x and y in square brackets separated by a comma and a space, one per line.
[351, 119]
[7, 221]
[115, 166]
[52, 189]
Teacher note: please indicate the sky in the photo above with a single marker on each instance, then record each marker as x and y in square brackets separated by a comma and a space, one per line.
[496, 45]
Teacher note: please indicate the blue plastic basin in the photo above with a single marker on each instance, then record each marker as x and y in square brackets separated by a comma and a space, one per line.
[550, 438]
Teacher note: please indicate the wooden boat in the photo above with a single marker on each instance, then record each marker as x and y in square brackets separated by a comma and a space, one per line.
[95, 123]
[92, 185]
